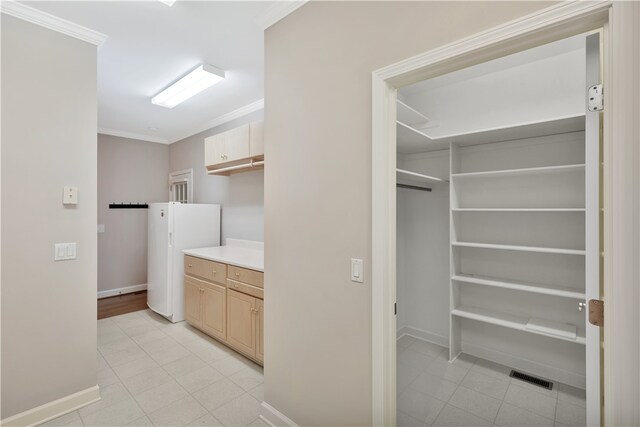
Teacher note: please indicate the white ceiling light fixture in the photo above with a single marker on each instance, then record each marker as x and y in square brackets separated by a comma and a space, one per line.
[202, 77]
[168, 2]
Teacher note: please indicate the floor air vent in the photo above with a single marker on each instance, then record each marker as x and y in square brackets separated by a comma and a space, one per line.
[532, 380]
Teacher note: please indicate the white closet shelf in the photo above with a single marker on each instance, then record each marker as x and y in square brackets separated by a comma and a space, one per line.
[407, 133]
[553, 126]
[559, 251]
[555, 330]
[411, 140]
[522, 172]
[518, 210]
[410, 115]
[536, 288]
[402, 174]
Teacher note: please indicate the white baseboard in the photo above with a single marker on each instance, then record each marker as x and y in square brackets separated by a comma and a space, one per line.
[275, 418]
[55, 409]
[121, 291]
[422, 335]
[528, 366]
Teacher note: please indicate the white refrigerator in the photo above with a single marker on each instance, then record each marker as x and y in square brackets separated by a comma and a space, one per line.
[173, 227]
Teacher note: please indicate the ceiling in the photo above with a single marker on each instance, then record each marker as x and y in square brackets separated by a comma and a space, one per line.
[150, 45]
[560, 47]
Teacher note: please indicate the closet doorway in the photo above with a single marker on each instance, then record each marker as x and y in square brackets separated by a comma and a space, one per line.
[497, 241]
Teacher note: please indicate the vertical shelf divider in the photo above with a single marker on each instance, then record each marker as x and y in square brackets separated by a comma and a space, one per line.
[455, 332]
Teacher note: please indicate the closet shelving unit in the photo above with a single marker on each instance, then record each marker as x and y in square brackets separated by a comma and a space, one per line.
[517, 254]
[411, 128]
[412, 117]
[409, 177]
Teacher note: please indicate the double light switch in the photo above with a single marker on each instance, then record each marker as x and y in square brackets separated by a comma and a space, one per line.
[64, 251]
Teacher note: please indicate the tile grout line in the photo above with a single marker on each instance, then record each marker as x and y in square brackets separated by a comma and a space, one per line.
[190, 353]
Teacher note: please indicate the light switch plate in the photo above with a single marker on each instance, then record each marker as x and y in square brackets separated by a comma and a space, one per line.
[100, 228]
[64, 251]
[357, 275]
[70, 196]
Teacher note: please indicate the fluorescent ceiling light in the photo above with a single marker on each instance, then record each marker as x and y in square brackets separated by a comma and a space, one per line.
[203, 77]
[168, 2]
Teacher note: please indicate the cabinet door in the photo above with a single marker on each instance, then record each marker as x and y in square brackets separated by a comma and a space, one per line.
[256, 141]
[214, 313]
[192, 301]
[241, 326]
[215, 149]
[237, 143]
[260, 330]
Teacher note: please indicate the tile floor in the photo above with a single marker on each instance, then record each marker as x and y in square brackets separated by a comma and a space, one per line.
[153, 372]
[475, 392]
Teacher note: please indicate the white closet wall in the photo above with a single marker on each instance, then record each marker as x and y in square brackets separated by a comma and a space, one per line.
[423, 250]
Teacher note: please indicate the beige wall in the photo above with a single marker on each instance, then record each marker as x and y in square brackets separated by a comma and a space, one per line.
[318, 64]
[129, 171]
[241, 195]
[49, 113]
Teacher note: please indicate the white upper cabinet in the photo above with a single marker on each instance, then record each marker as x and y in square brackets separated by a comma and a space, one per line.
[256, 142]
[228, 148]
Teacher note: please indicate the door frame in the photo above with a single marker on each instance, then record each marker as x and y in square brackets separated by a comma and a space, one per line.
[621, 186]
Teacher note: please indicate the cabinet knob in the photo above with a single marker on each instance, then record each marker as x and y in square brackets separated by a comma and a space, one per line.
[190, 266]
[235, 285]
[237, 274]
[215, 272]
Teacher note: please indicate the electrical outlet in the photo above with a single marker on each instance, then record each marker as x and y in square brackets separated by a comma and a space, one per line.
[70, 196]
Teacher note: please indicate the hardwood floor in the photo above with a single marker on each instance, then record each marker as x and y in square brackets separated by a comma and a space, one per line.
[121, 304]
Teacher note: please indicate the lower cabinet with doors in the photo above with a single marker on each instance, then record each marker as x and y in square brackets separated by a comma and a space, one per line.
[227, 303]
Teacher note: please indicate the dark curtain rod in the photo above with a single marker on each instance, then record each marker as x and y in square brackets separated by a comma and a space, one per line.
[413, 187]
[128, 206]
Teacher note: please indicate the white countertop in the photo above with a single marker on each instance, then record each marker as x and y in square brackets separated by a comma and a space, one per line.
[241, 253]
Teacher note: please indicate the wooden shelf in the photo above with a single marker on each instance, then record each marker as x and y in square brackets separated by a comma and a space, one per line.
[536, 288]
[557, 330]
[559, 251]
[409, 177]
[525, 210]
[522, 172]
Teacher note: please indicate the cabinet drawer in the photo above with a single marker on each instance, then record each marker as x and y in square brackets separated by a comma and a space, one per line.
[252, 277]
[245, 289]
[214, 271]
[209, 270]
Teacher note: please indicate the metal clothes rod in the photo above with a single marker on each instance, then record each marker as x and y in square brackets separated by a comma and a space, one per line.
[413, 187]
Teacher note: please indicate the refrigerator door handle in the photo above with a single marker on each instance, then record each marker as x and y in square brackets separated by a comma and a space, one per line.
[170, 239]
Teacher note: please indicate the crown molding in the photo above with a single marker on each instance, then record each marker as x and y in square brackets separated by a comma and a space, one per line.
[131, 135]
[277, 12]
[43, 19]
[235, 114]
[220, 120]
